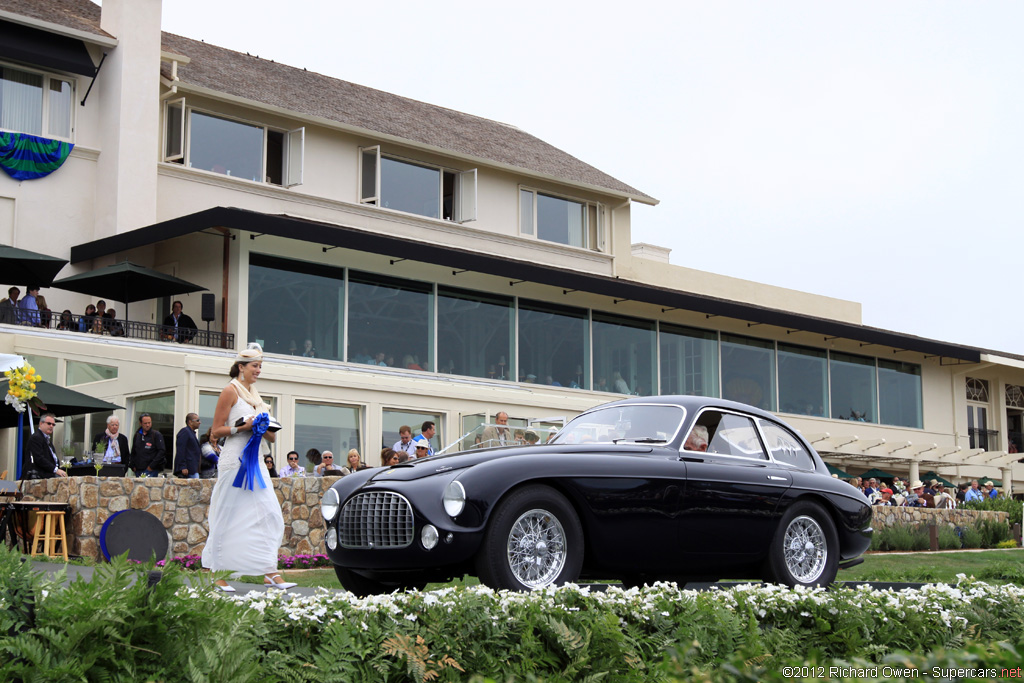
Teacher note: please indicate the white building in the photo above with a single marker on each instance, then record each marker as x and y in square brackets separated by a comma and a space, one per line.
[487, 269]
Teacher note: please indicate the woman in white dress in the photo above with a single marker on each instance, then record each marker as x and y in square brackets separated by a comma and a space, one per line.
[246, 526]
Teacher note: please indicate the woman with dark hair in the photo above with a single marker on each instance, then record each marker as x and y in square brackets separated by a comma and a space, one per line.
[388, 457]
[88, 319]
[268, 460]
[246, 524]
[67, 321]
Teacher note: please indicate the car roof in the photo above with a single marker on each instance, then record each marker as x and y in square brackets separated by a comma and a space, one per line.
[692, 404]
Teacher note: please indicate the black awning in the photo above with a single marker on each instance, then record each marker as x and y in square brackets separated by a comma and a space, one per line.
[48, 50]
[332, 235]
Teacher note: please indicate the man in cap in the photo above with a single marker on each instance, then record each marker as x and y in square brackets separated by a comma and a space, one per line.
[884, 497]
[942, 499]
[990, 491]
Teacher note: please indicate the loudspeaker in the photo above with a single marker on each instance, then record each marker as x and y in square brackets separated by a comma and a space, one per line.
[209, 301]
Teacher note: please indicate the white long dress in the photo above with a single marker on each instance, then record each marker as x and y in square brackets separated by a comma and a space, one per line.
[246, 527]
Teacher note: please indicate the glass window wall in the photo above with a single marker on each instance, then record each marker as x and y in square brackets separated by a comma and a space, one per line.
[853, 387]
[899, 393]
[390, 322]
[327, 427]
[410, 187]
[393, 420]
[624, 355]
[161, 409]
[748, 371]
[224, 146]
[83, 373]
[474, 332]
[803, 380]
[689, 361]
[296, 308]
[553, 344]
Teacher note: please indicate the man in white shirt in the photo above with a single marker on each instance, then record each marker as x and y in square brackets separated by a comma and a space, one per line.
[293, 469]
[405, 442]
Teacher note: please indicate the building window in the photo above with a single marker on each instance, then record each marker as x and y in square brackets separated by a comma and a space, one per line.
[1014, 396]
[35, 103]
[561, 220]
[474, 332]
[83, 373]
[239, 149]
[748, 371]
[296, 308]
[393, 420]
[413, 187]
[689, 361]
[554, 341]
[977, 390]
[389, 322]
[899, 394]
[624, 355]
[161, 409]
[328, 427]
[853, 387]
[803, 380]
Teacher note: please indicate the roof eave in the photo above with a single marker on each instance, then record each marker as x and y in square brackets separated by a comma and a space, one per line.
[50, 27]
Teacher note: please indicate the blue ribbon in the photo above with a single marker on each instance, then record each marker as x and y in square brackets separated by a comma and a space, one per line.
[249, 472]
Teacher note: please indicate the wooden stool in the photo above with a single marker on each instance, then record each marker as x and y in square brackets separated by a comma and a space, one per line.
[52, 531]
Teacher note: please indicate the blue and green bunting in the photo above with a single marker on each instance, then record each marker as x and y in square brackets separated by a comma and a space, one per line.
[27, 157]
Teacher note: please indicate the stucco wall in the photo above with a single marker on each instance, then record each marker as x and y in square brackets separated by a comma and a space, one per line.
[182, 506]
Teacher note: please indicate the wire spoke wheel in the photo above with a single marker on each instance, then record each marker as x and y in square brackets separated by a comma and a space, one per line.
[805, 549]
[536, 548]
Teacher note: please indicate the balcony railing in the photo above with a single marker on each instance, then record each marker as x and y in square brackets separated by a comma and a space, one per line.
[135, 329]
[984, 438]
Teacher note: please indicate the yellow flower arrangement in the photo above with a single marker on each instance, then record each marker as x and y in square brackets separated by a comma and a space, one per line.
[21, 387]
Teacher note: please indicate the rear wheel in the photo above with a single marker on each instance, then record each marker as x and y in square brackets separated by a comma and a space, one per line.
[534, 540]
[805, 550]
[363, 586]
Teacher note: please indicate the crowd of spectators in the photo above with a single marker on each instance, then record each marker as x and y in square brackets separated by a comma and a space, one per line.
[931, 494]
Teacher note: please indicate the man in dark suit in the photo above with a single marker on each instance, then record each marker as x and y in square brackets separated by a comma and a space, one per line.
[187, 452]
[148, 450]
[112, 443]
[178, 326]
[40, 458]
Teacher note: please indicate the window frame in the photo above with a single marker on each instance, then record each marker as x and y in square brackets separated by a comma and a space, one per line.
[464, 201]
[591, 211]
[292, 162]
[44, 122]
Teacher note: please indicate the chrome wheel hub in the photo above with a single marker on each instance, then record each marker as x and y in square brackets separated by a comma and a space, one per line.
[805, 549]
[536, 548]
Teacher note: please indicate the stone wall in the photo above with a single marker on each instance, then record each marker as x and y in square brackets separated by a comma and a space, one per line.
[181, 504]
[884, 516]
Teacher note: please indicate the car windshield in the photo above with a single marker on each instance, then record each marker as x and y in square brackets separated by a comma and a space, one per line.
[492, 435]
[628, 423]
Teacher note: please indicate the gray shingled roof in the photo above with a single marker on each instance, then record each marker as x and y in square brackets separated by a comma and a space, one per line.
[313, 94]
[80, 15]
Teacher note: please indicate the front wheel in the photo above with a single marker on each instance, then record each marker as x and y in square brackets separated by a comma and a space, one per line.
[534, 540]
[805, 549]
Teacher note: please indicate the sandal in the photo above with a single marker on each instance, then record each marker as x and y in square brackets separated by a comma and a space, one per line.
[269, 582]
[224, 587]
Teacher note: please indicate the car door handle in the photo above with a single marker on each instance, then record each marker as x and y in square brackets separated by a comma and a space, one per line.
[772, 477]
[687, 458]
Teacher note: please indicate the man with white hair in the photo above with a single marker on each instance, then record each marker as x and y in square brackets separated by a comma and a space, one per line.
[697, 440]
[112, 443]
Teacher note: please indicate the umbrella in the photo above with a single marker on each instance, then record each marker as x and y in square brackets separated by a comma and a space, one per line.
[60, 401]
[928, 476]
[836, 470]
[877, 474]
[126, 282]
[23, 267]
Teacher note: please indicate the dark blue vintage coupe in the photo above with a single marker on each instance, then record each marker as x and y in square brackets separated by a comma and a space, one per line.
[678, 488]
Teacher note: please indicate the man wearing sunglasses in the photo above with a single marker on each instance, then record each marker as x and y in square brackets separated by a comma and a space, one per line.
[41, 458]
[293, 469]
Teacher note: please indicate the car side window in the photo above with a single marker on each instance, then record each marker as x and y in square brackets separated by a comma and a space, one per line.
[728, 434]
[785, 447]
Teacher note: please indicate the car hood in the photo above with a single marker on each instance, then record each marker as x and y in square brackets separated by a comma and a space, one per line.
[440, 464]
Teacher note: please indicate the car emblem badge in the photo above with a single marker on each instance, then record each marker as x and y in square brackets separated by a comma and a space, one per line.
[443, 469]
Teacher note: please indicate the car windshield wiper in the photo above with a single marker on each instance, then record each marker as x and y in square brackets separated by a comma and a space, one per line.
[643, 439]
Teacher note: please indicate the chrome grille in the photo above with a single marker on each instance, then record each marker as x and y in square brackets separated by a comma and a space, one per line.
[377, 519]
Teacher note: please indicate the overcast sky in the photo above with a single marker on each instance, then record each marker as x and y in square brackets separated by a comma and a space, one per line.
[870, 151]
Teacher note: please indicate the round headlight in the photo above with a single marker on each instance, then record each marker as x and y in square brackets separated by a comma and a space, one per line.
[330, 504]
[428, 537]
[454, 499]
[331, 538]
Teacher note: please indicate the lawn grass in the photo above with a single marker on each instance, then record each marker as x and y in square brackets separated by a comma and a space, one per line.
[921, 567]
